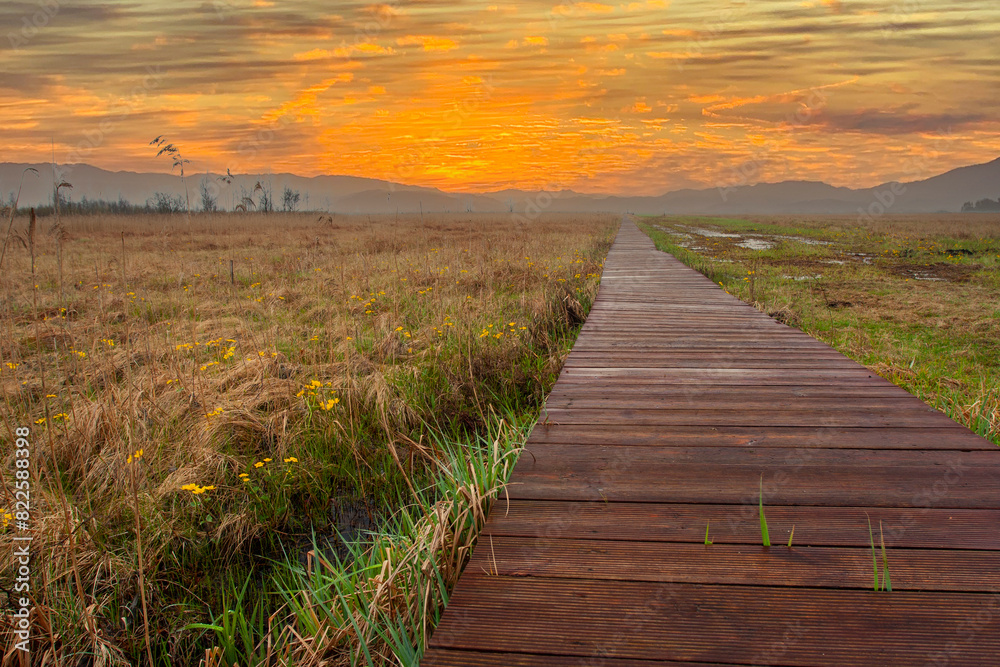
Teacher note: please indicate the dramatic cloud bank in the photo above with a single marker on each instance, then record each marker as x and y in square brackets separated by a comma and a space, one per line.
[624, 97]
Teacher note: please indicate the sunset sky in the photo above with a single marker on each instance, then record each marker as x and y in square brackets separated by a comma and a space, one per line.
[625, 97]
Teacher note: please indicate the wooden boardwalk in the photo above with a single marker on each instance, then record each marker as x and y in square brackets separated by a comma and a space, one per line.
[676, 401]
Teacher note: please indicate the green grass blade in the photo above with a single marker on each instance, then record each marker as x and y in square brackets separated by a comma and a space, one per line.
[791, 536]
[707, 541]
[871, 539]
[887, 583]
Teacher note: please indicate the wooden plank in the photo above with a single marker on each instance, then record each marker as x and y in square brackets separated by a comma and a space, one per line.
[753, 402]
[731, 376]
[738, 564]
[451, 658]
[947, 436]
[833, 477]
[925, 527]
[755, 624]
[732, 396]
[719, 362]
[922, 417]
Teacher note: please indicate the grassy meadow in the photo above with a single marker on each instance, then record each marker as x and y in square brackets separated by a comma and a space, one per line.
[270, 439]
[916, 299]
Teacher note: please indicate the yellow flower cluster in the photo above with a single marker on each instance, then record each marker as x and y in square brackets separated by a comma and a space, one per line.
[214, 413]
[260, 464]
[197, 490]
[137, 456]
[488, 331]
[447, 323]
[370, 305]
[312, 388]
[7, 517]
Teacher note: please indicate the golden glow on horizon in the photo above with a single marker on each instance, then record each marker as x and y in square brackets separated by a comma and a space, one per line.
[627, 97]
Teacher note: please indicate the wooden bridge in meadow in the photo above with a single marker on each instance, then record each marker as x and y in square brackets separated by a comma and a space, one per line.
[676, 404]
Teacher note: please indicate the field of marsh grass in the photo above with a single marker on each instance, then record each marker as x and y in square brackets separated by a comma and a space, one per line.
[270, 439]
[914, 298]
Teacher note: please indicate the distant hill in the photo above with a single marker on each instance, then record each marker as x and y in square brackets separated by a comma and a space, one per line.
[947, 192]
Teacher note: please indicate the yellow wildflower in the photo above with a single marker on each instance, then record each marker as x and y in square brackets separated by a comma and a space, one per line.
[196, 490]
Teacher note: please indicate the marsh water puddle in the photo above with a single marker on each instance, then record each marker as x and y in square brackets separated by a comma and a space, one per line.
[748, 241]
[755, 243]
[862, 257]
[803, 239]
[353, 519]
[711, 233]
[690, 238]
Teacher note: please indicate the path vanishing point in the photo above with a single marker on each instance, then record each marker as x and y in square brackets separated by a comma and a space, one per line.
[676, 404]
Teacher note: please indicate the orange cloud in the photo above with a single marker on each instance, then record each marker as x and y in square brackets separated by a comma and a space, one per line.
[582, 8]
[315, 54]
[429, 42]
[304, 104]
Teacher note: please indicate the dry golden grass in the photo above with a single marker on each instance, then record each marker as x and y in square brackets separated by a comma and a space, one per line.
[337, 347]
